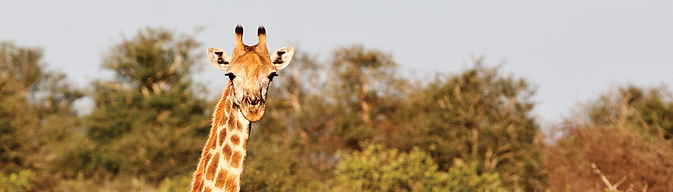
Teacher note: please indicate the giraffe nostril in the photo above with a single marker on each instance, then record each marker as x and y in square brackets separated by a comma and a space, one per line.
[252, 100]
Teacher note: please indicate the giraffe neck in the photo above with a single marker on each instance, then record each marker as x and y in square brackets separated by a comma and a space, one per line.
[222, 158]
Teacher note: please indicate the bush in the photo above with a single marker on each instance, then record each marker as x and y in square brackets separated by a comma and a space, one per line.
[16, 182]
[380, 169]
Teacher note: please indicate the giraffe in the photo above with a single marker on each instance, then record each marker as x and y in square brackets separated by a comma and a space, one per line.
[250, 70]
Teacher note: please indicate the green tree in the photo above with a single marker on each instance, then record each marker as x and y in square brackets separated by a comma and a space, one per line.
[365, 92]
[147, 121]
[480, 116]
[35, 114]
[647, 112]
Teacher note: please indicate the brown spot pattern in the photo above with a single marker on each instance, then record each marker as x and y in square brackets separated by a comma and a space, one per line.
[221, 178]
[222, 136]
[211, 143]
[225, 115]
[231, 183]
[231, 122]
[236, 159]
[240, 126]
[218, 116]
[235, 140]
[221, 122]
[227, 106]
[212, 167]
[226, 151]
[204, 163]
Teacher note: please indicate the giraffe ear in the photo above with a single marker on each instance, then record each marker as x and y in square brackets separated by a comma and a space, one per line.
[219, 58]
[282, 57]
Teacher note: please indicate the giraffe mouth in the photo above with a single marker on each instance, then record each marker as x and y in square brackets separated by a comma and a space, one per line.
[253, 113]
[253, 109]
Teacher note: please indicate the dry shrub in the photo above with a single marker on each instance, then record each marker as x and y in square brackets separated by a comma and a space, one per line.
[617, 153]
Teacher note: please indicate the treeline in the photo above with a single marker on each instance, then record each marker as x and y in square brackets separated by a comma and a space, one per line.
[347, 123]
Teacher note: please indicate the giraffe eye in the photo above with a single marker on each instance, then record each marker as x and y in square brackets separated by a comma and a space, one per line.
[231, 76]
[272, 75]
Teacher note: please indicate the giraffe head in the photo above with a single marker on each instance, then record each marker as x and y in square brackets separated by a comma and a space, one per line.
[250, 70]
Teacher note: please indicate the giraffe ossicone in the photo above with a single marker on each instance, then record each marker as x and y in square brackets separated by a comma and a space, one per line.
[250, 70]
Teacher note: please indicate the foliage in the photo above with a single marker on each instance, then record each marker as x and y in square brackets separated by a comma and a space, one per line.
[380, 169]
[480, 116]
[276, 167]
[36, 113]
[464, 177]
[365, 90]
[147, 122]
[616, 152]
[646, 112]
[16, 182]
[172, 184]
[625, 134]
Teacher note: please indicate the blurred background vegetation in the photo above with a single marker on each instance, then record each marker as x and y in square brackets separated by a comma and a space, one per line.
[347, 123]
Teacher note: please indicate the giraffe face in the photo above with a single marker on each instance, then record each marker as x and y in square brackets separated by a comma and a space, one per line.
[250, 70]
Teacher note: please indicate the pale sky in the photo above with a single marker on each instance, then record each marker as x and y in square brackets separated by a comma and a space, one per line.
[571, 50]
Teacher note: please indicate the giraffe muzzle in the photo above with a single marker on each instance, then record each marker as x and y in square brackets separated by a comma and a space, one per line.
[253, 108]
